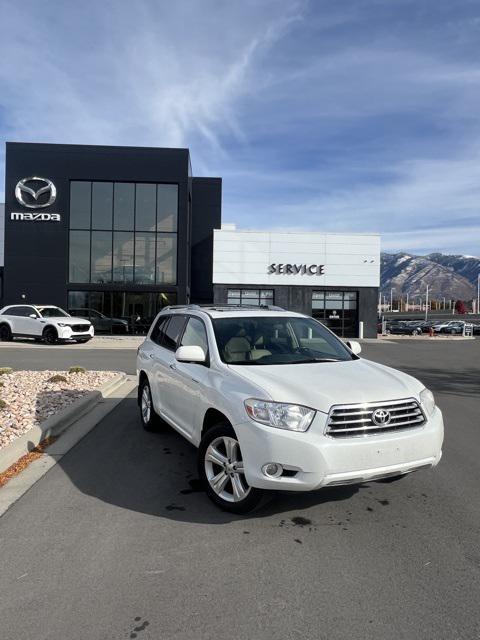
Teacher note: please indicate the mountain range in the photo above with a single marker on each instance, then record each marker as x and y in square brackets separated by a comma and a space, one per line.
[449, 276]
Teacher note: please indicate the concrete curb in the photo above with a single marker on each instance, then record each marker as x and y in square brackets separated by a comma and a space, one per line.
[57, 424]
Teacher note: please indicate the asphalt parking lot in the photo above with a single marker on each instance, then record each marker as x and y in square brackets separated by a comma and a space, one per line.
[117, 542]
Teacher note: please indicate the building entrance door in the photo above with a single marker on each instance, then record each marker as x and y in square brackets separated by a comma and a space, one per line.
[338, 310]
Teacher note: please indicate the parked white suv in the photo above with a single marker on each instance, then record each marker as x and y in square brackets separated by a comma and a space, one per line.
[42, 322]
[274, 400]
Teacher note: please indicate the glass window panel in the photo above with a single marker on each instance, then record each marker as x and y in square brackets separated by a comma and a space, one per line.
[250, 302]
[145, 205]
[78, 303]
[166, 259]
[145, 258]
[266, 293]
[318, 304]
[79, 267]
[250, 293]
[123, 256]
[233, 293]
[172, 332]
[318, 295]
[80, 203]
[101, 265]
[350, 304]
[195, 335]
[234, 300]
[333, 304]
[167, 207]
[350, 295]
[124, 206]
[334, 295]
[102, 205]
[165, 299]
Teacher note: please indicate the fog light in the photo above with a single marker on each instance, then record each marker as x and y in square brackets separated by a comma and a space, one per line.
[272, 470]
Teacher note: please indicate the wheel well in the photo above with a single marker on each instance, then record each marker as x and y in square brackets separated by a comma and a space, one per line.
[211, 418]
[50, 326]
[143, 376]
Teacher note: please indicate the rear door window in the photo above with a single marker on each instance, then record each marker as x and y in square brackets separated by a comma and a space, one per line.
[159, 329]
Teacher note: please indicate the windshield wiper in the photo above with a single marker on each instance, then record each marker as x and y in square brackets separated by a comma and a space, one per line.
[316, 360]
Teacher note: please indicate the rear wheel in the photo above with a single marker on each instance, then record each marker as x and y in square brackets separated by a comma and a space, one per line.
[50, 335]
[5, 333]
[221, 470]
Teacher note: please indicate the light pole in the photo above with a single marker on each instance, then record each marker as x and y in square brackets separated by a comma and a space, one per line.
[406, 306]
[391, 300]
[426, 305]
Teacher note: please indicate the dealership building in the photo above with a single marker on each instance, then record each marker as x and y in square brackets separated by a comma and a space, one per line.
[117, 233]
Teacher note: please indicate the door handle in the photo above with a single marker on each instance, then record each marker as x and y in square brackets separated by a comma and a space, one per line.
[150, 355]
[173, 366]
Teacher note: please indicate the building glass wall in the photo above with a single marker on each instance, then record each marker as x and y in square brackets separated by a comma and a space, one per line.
[123, 232]
[248, 297]
[119, 312]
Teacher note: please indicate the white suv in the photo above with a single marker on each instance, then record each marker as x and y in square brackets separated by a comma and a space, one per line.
[274, 400]
[42, 322]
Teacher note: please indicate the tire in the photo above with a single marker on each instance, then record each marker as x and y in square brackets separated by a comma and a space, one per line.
[5, 333]
[151, 421]
[50, 335]
[219, 447]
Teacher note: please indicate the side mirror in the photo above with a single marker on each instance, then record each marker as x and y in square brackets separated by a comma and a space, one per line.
[190, 354]
[354, 346]
[33, 315]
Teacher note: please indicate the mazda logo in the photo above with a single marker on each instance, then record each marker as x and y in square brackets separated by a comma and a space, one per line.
[381, 417]
[31, 196]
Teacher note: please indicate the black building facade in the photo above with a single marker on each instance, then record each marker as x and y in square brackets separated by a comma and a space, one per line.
[110, 233]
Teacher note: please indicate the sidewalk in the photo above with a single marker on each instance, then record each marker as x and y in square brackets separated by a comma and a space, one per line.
[98, 342]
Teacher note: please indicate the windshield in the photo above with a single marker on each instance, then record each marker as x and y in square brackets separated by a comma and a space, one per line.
[276, 340]
[52, 312]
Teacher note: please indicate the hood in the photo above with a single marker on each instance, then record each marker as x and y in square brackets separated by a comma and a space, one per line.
[321, 385]
[68, 321]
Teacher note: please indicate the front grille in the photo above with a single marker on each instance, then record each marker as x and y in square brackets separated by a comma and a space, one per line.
[80, 328]
[347, 420]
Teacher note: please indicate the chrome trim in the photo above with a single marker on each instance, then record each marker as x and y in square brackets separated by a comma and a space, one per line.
[343, 411]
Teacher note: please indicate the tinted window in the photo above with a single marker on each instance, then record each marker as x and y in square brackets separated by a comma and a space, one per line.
[167, 206]
[172, 332]
[102, 205]
[101, 256]
[145, 258]
[123, 256]
[124, 206]
[159, 329]
[166, 258]
[23, 312]
[52, 312]
[79, 269]
[145, 206]
[195, 335]
[80, 202]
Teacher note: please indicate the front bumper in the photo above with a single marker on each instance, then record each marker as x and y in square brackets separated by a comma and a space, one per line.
[320, 460]
[66, 333]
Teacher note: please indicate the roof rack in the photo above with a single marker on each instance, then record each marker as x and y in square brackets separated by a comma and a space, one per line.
[224, 307]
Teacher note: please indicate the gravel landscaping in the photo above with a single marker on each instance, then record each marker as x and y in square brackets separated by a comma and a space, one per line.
[28, 398]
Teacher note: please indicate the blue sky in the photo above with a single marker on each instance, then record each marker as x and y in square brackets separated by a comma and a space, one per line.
[347, 116]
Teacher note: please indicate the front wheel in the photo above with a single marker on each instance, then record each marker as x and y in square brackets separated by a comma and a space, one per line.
[221, 470]
[50, 336]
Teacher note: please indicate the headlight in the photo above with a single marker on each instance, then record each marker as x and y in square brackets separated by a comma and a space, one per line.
[428, 401]
[62, 324]
[293, 417]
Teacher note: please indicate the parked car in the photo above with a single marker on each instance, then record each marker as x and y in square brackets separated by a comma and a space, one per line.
[100, 321]
[42, 322]
[452, 327]
[405, 328]
[275, 401]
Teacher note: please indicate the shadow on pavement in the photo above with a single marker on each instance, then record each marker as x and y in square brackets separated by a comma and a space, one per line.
[155, 473]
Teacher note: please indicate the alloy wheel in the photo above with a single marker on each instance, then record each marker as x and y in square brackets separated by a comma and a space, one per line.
[146, 404]
[224, 469]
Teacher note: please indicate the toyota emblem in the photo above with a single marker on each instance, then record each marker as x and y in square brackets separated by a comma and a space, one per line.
[30, 196]
[381, 417]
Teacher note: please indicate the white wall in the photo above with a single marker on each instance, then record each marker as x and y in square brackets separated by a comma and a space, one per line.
[243, 257]
[2, 232]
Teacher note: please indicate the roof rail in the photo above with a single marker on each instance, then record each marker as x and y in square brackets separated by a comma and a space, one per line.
[224, 307]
